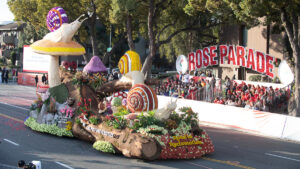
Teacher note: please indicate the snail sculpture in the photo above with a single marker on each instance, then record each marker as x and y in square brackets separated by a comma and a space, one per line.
[141, 98]
[130, 66]
[55, 18]
[129, 62]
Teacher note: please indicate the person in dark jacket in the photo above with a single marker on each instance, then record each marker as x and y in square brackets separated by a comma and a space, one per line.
[6, 76]
[36, 80]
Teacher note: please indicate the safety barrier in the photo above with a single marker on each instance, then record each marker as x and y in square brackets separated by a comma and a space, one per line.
[253, 121]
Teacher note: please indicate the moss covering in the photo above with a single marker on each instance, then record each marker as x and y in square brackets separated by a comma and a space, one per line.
[60, 93]
[104, 146]
[44, 128]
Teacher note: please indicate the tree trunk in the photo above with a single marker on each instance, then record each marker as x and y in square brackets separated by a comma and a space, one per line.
[85, 58]
[129, 32]
[115, 46]
[291, 26]
[92, 24]
[296, 112]
[152, 48]
[129, 143]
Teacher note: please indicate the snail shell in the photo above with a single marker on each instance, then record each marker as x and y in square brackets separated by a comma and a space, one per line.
[55, 18]
[130, 61]
[141, 98]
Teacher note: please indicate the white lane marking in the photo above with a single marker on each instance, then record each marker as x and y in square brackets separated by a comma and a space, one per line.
[11, 142]
[195, 164]
[15, 106]
[64, 165]
[282, 157]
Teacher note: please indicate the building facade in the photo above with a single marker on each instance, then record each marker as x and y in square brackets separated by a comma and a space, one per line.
[260, 38]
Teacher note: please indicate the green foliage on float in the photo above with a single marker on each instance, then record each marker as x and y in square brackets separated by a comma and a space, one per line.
[60, 93]
[104, 146]
[44, 128]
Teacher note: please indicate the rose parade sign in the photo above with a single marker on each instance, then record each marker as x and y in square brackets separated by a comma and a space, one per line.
[233, 55]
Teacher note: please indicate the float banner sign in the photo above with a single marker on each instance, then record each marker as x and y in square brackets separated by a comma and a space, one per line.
[34, 62]
[234, 55]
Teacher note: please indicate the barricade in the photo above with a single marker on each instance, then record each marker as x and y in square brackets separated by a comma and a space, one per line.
[252, 121]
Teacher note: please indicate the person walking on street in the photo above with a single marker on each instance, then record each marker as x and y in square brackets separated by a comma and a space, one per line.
[44, 79]
[36, 80]
[0, 75]
[6, 76]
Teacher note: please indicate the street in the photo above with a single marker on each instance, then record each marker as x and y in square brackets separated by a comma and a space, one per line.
[233, 149]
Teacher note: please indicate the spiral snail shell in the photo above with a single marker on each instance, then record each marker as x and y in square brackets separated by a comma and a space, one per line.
[141, 98]
[55, 18]
[130, 61]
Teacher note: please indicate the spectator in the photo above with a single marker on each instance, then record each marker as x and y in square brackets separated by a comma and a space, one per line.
[21, 164]
[115, 75]
[36, 80]
[44, 79]
[0, 75]
[6, 76]
[186, 79]
[240, 95]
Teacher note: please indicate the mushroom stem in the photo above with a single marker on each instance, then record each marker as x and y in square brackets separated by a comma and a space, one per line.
[53, 73]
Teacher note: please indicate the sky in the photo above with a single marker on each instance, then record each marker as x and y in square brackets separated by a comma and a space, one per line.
[5, 13]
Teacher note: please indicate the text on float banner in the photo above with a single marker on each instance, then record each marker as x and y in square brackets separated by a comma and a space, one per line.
[236, 55]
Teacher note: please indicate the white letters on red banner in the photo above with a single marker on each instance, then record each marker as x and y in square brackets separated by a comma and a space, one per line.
[236, 55]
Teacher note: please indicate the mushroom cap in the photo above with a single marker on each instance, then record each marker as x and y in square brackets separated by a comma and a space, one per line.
[95, 65]
[57, 48]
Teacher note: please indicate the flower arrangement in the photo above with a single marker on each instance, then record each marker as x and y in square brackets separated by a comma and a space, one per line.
[189, 116]
[93, 120]
[85, 113]
[69, 125]
[118, 122]
[37, 105]
[116, 101]
[68, 111]
[72, 65]
[152, 129]
[80, 78]
[84, 105]
[143, 120]
[121, 112]
[96, 80]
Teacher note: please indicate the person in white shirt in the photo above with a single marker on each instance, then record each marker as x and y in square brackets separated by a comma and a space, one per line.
[186, 78]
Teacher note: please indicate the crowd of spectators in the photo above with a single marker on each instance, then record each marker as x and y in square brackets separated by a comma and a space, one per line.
[206, 87]
[6, 74]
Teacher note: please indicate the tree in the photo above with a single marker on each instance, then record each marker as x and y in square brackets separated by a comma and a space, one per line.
[35, 12]
[127, 14]
[167, 18]
[253, 12]
[29, 35]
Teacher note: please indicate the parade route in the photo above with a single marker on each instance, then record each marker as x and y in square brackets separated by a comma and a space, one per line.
[233, 149]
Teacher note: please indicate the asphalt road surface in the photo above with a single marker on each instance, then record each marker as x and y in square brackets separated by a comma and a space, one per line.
[233, 149]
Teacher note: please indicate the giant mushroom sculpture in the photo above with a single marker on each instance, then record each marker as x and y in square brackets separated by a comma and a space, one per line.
[59, 43]
[95, 65]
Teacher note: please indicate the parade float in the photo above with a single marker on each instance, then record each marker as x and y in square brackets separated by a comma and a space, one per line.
[120, 116]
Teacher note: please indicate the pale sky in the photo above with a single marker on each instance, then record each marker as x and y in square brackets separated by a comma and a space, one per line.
[5, 14]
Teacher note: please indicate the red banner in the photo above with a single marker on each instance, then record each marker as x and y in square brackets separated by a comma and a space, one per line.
[236, 55]
[28, 78]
